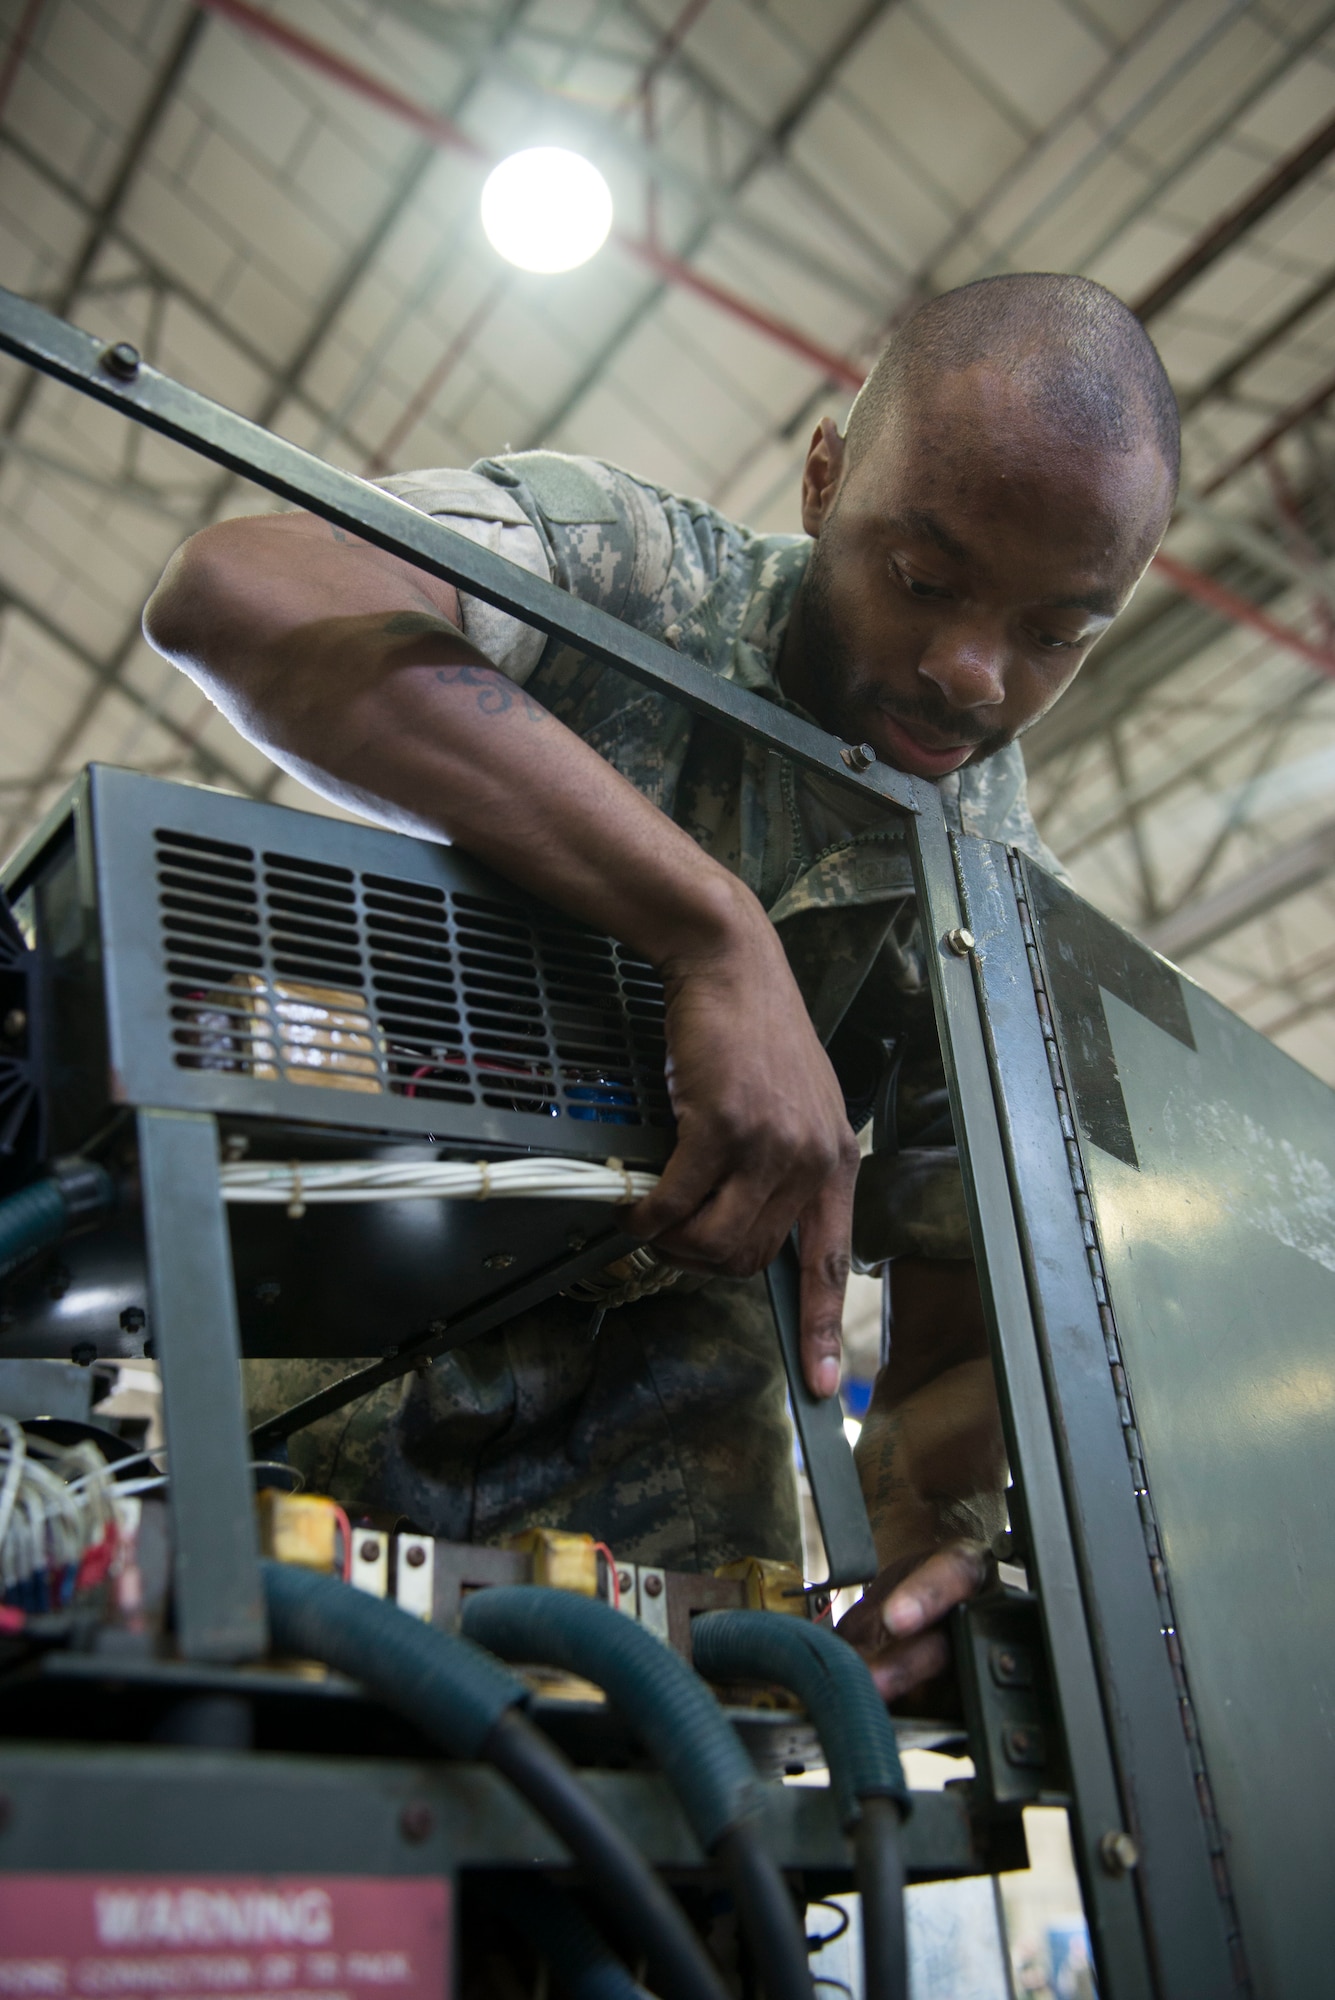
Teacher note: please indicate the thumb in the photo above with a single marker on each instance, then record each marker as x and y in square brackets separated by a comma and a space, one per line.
[823, 1251]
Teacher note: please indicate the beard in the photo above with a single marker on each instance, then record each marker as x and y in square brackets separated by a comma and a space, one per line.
[852, 696]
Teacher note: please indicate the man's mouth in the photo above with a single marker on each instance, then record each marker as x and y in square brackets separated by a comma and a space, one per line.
[922, 755]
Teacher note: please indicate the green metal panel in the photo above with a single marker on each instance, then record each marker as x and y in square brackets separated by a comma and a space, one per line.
[1210, 1158]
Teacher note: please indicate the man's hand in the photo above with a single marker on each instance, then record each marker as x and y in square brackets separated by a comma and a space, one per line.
[933, 1468]
[349, 668]
[897, 1624]
[763, 1140]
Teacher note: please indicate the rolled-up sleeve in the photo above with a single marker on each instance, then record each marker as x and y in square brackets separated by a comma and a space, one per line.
[486, 513]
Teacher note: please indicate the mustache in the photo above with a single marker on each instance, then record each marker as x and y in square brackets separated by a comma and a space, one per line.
[937, 716]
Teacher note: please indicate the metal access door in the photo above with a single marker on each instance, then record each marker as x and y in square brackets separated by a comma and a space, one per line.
[1174, 1183]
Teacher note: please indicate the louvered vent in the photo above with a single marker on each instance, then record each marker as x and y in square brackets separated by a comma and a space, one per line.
[282, 967]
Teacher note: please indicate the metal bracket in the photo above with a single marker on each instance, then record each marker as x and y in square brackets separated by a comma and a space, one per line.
[1014, 1731]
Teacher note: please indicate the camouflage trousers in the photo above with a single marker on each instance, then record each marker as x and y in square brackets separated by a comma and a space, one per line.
[665, 1436]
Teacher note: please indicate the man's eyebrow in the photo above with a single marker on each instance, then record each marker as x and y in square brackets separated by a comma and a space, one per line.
[927, 525]
[1104, 603]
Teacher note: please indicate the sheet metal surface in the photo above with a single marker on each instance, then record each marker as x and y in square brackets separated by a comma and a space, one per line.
[1218, 1235]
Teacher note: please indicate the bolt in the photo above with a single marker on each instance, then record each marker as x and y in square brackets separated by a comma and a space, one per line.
[15, 1023]
[858, 756]
[499, 1260]
[369, 1551]
[1005, 1663]
[575, 1241]
[1118, 1852]
[624, 1579]
[83, 1354]
[122, 360]
[960, 941]
[653, 1586]
[150, 1350]
[415, 1556]
[235, 1146]
[133, 1319]
[416, 1821]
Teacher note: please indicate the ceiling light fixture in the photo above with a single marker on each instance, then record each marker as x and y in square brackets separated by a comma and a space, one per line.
[546, 209]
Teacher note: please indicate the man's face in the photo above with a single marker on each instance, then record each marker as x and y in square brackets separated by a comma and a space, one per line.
[963, 569]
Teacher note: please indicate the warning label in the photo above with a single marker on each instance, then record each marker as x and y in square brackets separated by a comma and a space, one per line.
[223, 1937]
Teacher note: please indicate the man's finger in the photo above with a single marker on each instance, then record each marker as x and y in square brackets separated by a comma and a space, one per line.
[823, 1235]
[946, 1579]
[910, 1664]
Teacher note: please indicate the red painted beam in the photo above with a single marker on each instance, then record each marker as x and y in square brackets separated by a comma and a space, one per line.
[443, 132]
[1230, 604]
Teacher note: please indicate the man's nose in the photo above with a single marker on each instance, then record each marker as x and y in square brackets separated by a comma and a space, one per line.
[969, 669]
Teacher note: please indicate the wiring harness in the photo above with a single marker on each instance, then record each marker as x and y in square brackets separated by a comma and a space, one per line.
[295, 1184]
[63, 1512]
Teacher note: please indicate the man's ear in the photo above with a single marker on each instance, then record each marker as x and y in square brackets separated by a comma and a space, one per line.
[821, 475]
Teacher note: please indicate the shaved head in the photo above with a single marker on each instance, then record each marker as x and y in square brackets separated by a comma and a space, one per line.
[1083, 361]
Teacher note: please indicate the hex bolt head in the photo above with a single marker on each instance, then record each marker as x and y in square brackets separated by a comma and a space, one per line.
[134, 1319]
[83, 1354]
[415, 1556]
[960, 942]
[416, 1821]
[499, 1260]
[652, 1586]
[121, 360]
[1118, 1852]
[14, 1023]
[858, 756]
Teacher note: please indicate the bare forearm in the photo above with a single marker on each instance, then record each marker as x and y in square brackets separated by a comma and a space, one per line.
[350, 670]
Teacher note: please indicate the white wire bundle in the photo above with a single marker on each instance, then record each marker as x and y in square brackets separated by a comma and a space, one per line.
[55, 1504]
[297, 1183]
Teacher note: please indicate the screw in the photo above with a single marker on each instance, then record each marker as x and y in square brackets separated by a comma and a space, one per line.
[415, 1556]
[858, 756]
[624, 1579]
[122, 360]
[84, 1354]
[653, 1586]
[1118, 1852]
[575, 1241]
[960, 941]
[15, 1022]
[416, 1821]
[369, 1551]
[133, 1319]
[1005, 1663]
[499, 1260]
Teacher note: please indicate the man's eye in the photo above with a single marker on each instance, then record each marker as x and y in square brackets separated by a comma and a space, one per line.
[916, 587]
[1051, 642]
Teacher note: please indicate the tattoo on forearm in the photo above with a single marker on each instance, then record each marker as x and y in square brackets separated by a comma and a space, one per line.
[495, 694]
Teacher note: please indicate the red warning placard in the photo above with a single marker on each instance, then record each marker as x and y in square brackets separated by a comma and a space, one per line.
[223, 1937]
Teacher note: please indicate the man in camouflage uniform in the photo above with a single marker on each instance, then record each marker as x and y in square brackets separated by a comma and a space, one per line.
[666, 1434]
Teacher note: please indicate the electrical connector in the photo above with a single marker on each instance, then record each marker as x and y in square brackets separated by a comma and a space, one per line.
[560, 1560]
[770, 1586]
[300, 1528]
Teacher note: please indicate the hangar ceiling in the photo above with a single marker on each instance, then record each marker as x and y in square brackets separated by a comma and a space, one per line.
[278, 204]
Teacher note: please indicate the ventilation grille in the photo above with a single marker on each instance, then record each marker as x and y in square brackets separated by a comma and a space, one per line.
[290, 970]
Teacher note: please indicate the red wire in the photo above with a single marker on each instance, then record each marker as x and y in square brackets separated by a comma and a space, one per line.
[602, 1549]
[345, 1527]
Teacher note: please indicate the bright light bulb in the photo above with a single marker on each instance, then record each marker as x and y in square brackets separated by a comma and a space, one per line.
[546, 209]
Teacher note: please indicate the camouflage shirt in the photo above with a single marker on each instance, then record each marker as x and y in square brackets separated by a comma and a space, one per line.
[633, 1436]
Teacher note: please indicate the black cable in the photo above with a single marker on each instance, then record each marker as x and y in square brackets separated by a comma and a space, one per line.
[879, 1861]
[583, 1964]
[466, 1701]
[769, 1920]
[643, 1915]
